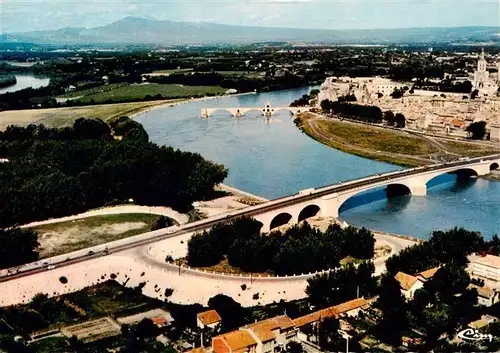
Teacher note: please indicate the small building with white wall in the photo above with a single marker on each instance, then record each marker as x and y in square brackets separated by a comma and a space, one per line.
[209, 318]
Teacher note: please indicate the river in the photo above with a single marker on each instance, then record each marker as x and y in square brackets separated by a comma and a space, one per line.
[272, 158]
[25, 81]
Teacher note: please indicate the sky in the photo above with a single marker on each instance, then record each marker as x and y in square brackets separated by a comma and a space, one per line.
[28, 15]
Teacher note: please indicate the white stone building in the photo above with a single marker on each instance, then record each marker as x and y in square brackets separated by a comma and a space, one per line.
[483, 81]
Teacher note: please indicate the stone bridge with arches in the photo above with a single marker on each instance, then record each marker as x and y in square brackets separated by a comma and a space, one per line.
[327, 201]
[267, 110]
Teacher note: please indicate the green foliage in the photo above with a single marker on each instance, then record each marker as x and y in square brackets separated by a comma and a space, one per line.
[389, 117]
[444, 247]
[367, 113]
[400, 120]
[7, 80]
[397, 93]
[294, 347]
[129, 129]
[231, 312]
[251, 251]
[162, 222]
[447, 282]
[341, 285]
[17, 246]
[204, 250]
[477, 130]
[393, 306]
[328, 334]
[301, 102]
[56, 172]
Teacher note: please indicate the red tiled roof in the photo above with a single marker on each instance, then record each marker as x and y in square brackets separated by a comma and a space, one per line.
[209, 317]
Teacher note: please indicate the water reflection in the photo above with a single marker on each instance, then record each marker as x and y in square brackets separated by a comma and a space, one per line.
[272, 158]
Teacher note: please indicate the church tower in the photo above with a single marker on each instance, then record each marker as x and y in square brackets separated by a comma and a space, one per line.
[481, 75]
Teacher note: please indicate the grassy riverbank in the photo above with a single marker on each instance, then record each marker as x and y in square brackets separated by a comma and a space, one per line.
[366, 141]
[63, 237]
[59, 117]
[387, 145]
[117, 93]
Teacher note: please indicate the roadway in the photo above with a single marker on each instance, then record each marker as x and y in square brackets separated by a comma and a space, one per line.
[155, 236]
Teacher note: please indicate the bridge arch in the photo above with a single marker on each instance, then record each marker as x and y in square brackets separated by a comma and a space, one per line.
[280, 220]
[375, 193]
[461, 174]
[215, 110]
[494, 166]
[308, 212]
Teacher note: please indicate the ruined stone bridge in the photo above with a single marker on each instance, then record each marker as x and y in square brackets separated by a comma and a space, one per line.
[268, 110]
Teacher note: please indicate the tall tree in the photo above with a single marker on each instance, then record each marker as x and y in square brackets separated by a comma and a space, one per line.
[17, 246]
[394, 310]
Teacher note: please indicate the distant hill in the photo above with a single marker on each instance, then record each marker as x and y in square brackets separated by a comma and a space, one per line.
[133, 30]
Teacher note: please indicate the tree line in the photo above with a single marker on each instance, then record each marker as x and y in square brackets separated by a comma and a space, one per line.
[365, 113]
[443, 247]
[7, 80]
[53, 173]
[300, 249]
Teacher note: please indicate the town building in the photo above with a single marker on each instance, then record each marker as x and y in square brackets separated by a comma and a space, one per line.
[485, 267]
[271, 335]
[306, 325]
[239, 341]
[274, 334]
[485, 295]
[209, 318]
[408, 284]
[483, 81]
[424, 276]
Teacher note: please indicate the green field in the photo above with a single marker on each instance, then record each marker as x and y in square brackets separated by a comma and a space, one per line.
[59, 117]
[168, 72]
[63, 237]
[369, 142]
[94, 90]
[469, 149]
[375, 139]
[141, 91]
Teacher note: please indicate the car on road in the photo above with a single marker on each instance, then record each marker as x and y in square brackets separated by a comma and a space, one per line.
[51, 267]
[90, 253]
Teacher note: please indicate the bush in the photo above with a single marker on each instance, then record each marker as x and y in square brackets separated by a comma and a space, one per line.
[243, 287]
[168, 292]
[63, 280]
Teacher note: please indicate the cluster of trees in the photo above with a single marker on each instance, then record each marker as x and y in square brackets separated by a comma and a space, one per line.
[397, 120]
[399, 92]
[57, 172]
[367, 113]
[17, 247]
[301, 249]
[342, 284]
[7, 80]
[446, 85]
[477, 130]
[304, 100]
[444, 303]
[443, 247]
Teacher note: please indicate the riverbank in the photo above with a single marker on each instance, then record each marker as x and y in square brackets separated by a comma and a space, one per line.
[365, 142]
[60, 117]
[387, 145]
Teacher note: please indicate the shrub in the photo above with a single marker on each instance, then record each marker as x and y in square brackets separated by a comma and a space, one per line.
[63, 280]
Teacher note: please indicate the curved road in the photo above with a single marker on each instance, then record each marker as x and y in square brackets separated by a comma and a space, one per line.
[152, 237]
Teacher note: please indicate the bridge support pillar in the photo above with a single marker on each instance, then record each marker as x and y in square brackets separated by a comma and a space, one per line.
[419, 190]
[330, 206]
